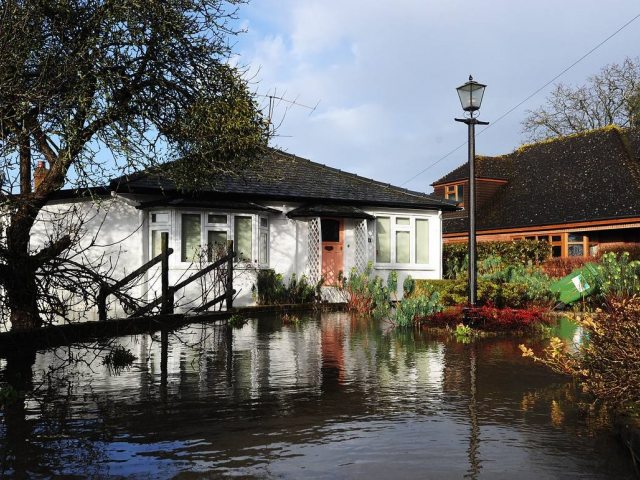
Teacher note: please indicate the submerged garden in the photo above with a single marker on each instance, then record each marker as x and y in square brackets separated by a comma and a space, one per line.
[518, 294]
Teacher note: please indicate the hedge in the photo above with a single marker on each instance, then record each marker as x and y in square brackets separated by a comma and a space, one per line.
[455, 292]
[454, 255]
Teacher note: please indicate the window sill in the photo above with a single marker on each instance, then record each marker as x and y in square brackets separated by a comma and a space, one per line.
[403, 266]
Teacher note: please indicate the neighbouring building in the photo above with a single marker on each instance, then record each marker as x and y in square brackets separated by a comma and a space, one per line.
[577, 192]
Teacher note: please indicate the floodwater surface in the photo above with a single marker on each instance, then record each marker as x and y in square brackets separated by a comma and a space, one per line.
[330, 397]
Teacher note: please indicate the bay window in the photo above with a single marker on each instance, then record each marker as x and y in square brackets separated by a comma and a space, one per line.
[402, 240]
[202, 236]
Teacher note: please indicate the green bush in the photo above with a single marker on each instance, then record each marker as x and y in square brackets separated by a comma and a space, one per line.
[500, 294]
[409, 309]
[618, 278]
[455, 259]
[633, 249]
[270, 289]
[369, 296]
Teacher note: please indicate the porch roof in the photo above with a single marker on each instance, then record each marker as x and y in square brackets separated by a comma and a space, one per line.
[321, 210]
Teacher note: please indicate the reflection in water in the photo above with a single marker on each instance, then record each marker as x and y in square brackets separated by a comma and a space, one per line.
[332, 397]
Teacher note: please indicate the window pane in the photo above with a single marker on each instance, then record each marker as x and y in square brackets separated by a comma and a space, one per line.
[403, 248]
[264, 222]
[217, 219]
[383, 240]
[555, 238]
[574, 237]
[451, 196]
[242, 238]
[263, 248]
[190, 237]
[422, 241]
[330, 230]
[156, 242]
[159, 217]
[403, 221]
[216, 245]
[556, 251]
[576, 250]
[460, 196]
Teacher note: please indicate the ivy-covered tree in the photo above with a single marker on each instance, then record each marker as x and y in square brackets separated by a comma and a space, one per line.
[99, 88]
[612, 97]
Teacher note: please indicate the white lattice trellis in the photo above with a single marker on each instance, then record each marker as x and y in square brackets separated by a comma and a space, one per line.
[314, 246]
[361, 254]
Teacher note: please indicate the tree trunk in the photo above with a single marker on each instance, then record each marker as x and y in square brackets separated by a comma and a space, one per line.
[20, 282]
[22, 294]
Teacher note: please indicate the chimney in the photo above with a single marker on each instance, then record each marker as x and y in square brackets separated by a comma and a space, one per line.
[39, 175]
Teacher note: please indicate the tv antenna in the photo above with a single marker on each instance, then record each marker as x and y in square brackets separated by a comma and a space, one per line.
[275, 100]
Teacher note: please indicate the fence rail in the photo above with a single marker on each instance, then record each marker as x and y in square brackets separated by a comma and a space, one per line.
[166, 299]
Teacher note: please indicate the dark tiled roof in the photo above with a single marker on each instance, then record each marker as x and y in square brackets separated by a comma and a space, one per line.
[204, 203]
[584, 177]
[319, 210]
[497, 168]
[282, 176]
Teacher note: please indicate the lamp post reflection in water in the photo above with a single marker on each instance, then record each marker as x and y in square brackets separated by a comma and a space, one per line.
[474, 437]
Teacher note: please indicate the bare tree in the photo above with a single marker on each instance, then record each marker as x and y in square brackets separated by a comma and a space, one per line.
[611, 97]
[97, 89]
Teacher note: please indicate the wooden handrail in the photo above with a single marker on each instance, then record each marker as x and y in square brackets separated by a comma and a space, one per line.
[163, 257]
[138, 272]
[202, 272]
[166, 299]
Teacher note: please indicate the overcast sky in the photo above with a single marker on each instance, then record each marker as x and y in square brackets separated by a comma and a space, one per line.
[385, 73]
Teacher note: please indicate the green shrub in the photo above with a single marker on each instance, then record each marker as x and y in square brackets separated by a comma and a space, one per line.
[8, 395]
[534, 291]
[455, 259]
[237, 321]
[618, 278]
[369, 296]
[118, 359]
[409, 309]
[270, 289]
[633, 249]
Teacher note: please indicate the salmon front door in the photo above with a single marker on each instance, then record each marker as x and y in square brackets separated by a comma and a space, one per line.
[332, 240]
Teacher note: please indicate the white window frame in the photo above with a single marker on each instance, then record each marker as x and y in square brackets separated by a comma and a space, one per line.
[175, 233]
[159, 227]
[411, 228]
[264, 230]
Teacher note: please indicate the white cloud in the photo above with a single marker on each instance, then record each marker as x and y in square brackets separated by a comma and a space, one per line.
[386, 73]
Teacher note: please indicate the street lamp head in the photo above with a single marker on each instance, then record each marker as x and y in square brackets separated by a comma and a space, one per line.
[471, 95]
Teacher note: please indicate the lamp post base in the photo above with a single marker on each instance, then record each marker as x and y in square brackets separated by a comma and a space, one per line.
[470, 316]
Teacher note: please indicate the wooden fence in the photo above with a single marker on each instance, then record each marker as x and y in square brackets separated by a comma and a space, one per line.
[167, 297]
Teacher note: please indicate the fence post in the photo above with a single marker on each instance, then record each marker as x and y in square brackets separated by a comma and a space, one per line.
[229, 289]
[102, 304]
[167, 298]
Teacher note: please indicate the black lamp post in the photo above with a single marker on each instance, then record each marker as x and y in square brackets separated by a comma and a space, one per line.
[471, 98]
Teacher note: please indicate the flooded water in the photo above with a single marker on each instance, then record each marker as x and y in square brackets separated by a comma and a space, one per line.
[332, 397]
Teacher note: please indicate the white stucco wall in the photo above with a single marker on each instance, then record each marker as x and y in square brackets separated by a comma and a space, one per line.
[120, 233]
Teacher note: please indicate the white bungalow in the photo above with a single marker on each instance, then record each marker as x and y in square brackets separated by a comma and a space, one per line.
[289, 214]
